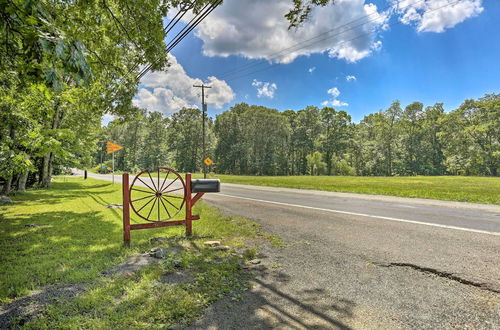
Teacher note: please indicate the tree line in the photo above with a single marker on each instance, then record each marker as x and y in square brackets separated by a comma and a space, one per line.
[255, 140]
[63, 65]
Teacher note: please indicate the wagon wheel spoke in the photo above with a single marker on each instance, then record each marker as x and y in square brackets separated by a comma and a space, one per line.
[166, 209]
[166, 200]
[170, 183]
[158, 208]
[173, 196]
[144, 191]
[158, 185]
[166, 192]
[139, 210]
[164, 180]
[140, 199]
[146, 184]
[152, 181]
[151, 209]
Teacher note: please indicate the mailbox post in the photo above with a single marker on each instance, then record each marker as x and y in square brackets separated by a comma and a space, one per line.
[158, 196]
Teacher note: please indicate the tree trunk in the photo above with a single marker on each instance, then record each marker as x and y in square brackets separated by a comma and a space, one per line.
[6, 188]
[46, 175]
[21, 184]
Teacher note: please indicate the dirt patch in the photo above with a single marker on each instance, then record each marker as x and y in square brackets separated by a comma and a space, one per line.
[26, 308]
[132, 264]
[178, 277]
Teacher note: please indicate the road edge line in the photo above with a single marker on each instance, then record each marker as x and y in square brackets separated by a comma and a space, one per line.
[369, 215]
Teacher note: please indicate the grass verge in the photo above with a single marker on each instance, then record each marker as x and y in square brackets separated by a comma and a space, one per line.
[67, 235]
[483, 190]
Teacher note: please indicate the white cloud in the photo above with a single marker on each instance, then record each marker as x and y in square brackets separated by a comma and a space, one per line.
[377, 45]
[311, 70]
[436, 15]
[334, 92]
[334, 102]
[350, 78]
[264, 89]
[258, 29]
[169, 91]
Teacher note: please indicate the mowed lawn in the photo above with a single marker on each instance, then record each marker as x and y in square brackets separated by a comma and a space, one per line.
[485, 190]
[66, 235]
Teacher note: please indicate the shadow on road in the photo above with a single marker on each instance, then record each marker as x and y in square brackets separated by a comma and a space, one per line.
[268, 306]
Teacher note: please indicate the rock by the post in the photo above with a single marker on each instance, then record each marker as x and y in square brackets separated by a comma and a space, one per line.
[212, 243]
[159, 252]
[114, 206]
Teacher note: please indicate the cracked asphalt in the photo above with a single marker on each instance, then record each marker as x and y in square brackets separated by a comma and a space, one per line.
[364, 262]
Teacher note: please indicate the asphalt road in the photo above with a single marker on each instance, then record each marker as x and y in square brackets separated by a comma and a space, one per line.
[361, 261]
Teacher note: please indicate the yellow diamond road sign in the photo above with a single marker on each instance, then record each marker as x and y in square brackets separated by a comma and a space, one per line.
[208, 161]
[113, 147]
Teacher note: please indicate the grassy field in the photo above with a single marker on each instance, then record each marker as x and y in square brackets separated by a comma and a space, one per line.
[66, 235]
[452, 188]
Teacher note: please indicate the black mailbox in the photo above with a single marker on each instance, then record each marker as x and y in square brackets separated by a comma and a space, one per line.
[205, 185]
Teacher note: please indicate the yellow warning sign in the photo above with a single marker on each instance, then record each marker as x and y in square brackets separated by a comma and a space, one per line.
[208, 161]
[112, 147]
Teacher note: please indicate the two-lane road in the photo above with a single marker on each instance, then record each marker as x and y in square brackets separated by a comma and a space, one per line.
[364, 261]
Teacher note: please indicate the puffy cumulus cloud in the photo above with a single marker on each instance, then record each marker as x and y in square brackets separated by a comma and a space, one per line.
[334, 92]
[334, 102]
[350, 78]
[169, 91]
[258, 29]
[436, 15]
[264, 89]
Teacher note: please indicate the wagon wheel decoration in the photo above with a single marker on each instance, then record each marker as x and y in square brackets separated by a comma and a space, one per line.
[157, 196]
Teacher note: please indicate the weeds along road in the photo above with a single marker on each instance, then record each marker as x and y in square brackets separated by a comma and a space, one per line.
[359, 261]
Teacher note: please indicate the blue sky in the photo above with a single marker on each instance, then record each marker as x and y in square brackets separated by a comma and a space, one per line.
[427, 53]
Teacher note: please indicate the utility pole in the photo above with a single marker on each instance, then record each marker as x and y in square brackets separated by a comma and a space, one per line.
[204, 113]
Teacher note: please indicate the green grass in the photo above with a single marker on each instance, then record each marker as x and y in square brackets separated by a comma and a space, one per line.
[78, 238]
[484, 190]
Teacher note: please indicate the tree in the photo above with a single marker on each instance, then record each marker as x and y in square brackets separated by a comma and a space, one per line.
[336, 134]
[184, 138]
[471, 137]
[306, 135]
[315, 163]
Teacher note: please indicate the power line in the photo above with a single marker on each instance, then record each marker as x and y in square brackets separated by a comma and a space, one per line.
[120, 25]
[272, 65]
[179, 37]
[195, 21]
[171, 24]
[274, 55]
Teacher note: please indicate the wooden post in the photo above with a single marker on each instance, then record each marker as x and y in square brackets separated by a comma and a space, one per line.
[126, 209]
[189, 224]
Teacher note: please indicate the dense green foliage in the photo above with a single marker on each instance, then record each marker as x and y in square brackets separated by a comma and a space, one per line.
[255, 140]
[63, 65]
[74, 239]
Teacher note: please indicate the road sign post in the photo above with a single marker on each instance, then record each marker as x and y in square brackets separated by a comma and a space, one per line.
[112, 148]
